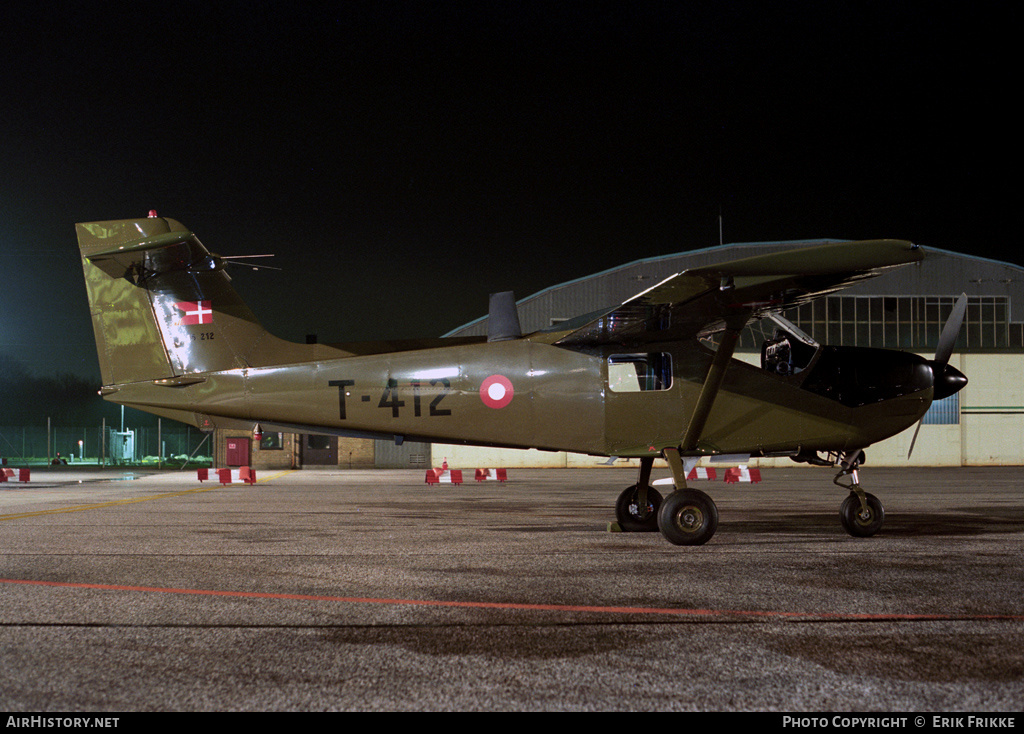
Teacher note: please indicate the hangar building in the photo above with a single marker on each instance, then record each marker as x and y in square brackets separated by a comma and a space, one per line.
[903, 309]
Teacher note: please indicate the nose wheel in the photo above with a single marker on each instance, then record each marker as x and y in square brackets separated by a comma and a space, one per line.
[861, 516]
[861, 513]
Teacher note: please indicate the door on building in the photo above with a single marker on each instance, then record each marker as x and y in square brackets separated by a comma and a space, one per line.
[408, 455]
[320, 450]
[237, 451]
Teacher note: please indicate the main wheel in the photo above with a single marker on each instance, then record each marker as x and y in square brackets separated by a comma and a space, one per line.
[858, 522]
[634, 518]
[688, 517]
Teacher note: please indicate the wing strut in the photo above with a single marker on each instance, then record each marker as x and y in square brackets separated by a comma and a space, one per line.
[712, 384]
[708, 392]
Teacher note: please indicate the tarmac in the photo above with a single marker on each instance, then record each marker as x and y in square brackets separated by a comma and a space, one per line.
[322, 590]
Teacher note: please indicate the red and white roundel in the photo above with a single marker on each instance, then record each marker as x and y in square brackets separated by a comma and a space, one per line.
[496, 391]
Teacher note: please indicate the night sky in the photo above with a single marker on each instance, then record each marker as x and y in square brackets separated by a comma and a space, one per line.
[405, 159]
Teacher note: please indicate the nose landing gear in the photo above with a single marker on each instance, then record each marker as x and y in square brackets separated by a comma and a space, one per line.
[861, 513]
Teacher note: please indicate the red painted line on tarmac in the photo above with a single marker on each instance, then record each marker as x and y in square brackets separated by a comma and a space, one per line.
[527, 607]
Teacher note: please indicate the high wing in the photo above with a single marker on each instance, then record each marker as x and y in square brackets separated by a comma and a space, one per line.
[703, 300]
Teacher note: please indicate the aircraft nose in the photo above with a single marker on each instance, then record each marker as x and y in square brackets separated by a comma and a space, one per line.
[947, 381]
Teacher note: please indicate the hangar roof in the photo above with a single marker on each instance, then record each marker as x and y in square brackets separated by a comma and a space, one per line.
[941, 273]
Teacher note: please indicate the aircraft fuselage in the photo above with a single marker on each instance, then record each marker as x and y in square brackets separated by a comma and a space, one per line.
[526, 394]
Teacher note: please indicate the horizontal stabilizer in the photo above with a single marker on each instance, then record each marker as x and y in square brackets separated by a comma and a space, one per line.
[149, 256]
[143, 244]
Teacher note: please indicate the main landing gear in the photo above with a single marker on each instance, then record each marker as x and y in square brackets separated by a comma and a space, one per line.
[636, 510]
[685, 517]
[688, 517]
[861, 514]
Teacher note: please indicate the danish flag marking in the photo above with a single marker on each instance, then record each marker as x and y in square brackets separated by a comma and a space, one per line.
[195, 312]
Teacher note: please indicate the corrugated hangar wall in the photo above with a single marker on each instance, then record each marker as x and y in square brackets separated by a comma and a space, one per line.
[984, 427]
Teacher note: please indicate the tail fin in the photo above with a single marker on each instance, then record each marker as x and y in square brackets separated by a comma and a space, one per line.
[162, 306]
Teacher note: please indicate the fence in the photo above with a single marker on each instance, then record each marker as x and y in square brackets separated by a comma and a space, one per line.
[168, 443]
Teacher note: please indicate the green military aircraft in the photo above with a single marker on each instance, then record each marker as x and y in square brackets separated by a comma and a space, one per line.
[651, 377]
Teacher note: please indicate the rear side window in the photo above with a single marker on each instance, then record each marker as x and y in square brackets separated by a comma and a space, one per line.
[640, 372]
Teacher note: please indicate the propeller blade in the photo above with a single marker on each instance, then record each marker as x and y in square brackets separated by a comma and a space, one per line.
[946, 380]
[947, 339]
[914, 439]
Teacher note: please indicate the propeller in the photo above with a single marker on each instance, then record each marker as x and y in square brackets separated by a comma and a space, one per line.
[946, 380]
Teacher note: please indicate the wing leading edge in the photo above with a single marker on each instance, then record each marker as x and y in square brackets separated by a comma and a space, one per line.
[703, 300]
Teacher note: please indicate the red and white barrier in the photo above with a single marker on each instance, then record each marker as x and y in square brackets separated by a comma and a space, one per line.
[701, 472]
[494, 475]
[742, 474]
[7, 474]
[444, 476]
[242, 474]
[732, 475]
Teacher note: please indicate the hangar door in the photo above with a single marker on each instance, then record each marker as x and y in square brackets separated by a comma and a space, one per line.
[319, 450]
[407, 455]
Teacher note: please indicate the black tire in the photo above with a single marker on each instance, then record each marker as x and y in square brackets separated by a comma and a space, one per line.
[844, 512]
[688, 517]
[631, 517]
[860, 524]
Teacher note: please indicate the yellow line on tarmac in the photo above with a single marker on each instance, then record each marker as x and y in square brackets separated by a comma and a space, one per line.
[114, 503]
